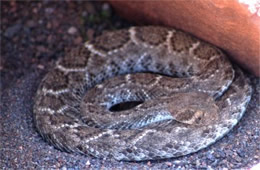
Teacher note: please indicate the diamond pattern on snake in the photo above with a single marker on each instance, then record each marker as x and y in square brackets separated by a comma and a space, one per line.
[189, 95]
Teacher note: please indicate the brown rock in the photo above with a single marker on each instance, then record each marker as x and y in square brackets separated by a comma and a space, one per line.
[231, 25]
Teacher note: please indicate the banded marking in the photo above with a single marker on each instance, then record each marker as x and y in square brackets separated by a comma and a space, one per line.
[91, 48]
[55, 92]
[67, 70]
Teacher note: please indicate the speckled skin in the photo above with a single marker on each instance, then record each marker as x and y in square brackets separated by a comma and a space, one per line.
[196, 98]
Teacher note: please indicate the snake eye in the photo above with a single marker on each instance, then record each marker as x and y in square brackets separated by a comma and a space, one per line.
[198, 120]
[198, 117]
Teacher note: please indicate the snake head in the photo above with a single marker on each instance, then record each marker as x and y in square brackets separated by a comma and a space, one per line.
[194, 109]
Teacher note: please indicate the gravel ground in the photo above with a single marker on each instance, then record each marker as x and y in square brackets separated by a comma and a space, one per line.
[33, 36]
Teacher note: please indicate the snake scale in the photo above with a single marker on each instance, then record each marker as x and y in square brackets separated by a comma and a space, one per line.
[188, 96]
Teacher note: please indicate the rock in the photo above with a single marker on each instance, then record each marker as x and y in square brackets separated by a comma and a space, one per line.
[48, 25]
[169, 164]
[64, 168]
[231, 25]
[105, 7]
[78, 41]
[210, 157]
[72, 30]
[49, 10]
[90, 34]
[41, 49]
[31, 24]
[88, 163]
[12, 30]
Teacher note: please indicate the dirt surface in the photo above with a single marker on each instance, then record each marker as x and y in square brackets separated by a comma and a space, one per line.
[33, 36]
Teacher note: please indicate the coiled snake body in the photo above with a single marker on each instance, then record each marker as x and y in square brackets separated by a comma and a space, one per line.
[195, 98]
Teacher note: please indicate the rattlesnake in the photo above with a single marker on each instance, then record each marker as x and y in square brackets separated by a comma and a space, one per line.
[195, 98]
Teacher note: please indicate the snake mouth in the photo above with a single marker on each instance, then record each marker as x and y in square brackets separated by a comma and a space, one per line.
[125, 106]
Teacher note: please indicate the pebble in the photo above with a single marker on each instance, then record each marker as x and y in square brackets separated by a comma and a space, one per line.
[50, 39]
[49, 10]
[237, 158]
[177, 161]
[31, 24]
[90, 34]
[197, 163]
[241, 153]
[41, 48]
[49, 25]
[168, 164]
[64, 168]
[40, 22]
[90, 8]
[40, 66]
[78, 41]
[72, 30]
[12, 30]
[220, 154]
[88, 163]
[84, 13]
[210, 157]
[105, 7]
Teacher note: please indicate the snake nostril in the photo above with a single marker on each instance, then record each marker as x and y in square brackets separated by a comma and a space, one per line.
[125, 106]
